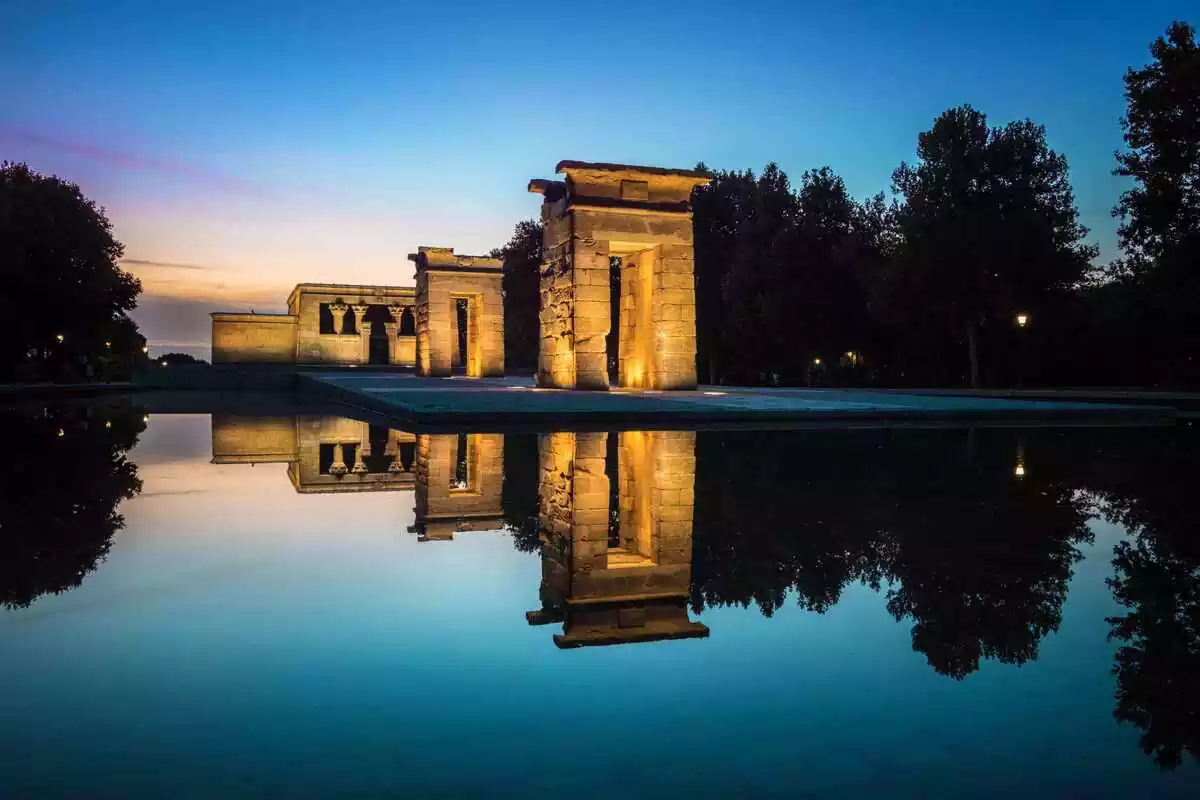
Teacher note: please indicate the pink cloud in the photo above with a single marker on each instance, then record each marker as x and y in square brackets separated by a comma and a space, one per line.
[125, 160]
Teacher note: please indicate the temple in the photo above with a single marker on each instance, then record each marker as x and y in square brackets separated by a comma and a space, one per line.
[452, 320]
[617, 256]
[640, 217]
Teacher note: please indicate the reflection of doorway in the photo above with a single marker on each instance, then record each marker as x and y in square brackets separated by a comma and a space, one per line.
[379, 317]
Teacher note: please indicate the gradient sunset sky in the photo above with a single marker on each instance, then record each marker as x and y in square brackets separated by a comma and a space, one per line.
[241, 148]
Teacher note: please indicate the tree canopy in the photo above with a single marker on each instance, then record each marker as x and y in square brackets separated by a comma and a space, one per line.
[64, 308]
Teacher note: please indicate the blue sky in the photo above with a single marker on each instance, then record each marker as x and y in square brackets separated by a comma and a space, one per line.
[241, 148]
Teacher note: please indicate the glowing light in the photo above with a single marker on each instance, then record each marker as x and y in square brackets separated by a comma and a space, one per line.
[716, 394]
[108, 344]
[1019, 470]
[59, 337]
[1022, 319]
[164, 363]
[146, 350]
[61, 432]
[146, 418]
[108, 423]
[816, 362]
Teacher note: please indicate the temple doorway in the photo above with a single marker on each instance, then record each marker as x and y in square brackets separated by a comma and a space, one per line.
[379, 348]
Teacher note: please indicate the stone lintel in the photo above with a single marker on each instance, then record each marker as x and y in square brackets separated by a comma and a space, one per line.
[440, 270]
[349, 289]
[628, 170]
[613, 599]
[650, 633]
[640, 207]
[444, 258]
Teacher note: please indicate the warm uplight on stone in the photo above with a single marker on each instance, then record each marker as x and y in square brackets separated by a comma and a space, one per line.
[629, 584]
[444, 280]
[641, 215]
[458, 484]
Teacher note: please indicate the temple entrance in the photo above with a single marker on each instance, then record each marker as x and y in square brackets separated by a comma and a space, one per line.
[462, 333]
[642, 218]
[379, 348]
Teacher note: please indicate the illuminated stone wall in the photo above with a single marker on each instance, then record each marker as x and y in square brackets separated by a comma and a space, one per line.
[298, 441]
[444, 278]
[459, 480]
[636, 587]
[641, 215]
[349, 302]
[258, 338]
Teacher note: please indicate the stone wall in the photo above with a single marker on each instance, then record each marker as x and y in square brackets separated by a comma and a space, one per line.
[314, 347]
[352, 442]
[253, 338]
[443, 279]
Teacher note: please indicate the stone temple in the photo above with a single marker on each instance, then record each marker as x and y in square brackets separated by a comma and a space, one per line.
[602, 222]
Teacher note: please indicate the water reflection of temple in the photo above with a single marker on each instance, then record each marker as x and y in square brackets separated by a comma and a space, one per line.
[614, 510]
[458, 485]
[612, 578]
[323, 454]
[456, 478]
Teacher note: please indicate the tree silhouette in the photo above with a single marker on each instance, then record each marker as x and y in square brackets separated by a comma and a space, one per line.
[63, 311]
[988, 226]
[1158, 277]
[522, 291]
[64, 476]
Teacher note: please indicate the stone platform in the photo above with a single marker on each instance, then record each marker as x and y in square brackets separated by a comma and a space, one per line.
[513, 402]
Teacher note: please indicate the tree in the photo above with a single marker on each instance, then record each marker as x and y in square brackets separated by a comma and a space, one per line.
[988, 226]
[179, 358]
[60, 506]
[65, 301]
[1160, 215]
[522, 294]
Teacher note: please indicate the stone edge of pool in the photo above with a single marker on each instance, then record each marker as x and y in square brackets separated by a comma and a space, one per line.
[505, 402]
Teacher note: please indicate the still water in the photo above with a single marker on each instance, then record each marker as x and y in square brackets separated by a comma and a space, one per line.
[304, 604]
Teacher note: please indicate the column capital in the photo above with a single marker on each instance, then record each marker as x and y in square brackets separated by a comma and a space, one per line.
[360, 310]
[395, 309]
[338, 308]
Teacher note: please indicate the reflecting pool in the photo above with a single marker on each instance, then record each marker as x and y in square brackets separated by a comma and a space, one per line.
[308, 604]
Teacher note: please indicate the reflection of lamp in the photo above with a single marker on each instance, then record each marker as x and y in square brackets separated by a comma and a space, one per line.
[163, 362]
[59, 337]
[816, 362]
[108, 344]
[1022, 319]
[1019, 470]
[146, 349]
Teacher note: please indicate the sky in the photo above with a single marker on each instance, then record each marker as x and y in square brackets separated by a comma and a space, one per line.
[241, 148]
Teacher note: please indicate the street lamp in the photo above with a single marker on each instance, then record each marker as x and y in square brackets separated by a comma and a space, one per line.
[59, 338]
[146, 349]
[1022, 320]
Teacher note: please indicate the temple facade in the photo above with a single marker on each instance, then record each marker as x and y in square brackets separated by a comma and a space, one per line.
[453, 319]
[604, 224]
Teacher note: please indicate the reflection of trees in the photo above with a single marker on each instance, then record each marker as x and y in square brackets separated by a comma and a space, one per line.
[1148, 486]
[979, 559]
[64, 475]
[777, 511]
[519, 499]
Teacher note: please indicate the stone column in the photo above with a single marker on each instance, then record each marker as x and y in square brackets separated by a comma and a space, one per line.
[456, 355]
[393, 329]
[338, 310]
[360, 452]
[364, 333]
[338, 467]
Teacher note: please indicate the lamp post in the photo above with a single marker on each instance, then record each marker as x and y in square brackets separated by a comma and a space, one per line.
[1022, 320]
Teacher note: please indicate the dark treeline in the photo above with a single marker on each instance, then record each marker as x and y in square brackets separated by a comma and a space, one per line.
[802, 284]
